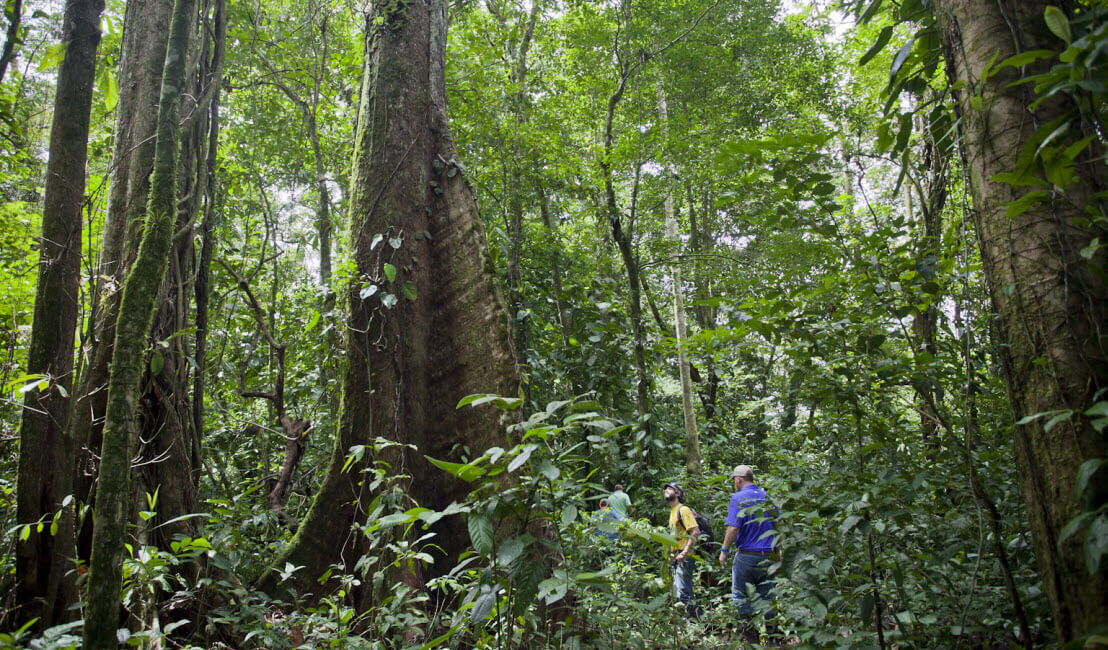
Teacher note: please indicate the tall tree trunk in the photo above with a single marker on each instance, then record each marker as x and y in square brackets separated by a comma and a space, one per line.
[168, 445]
[702, 242]
[518, 101]
[45, 480]
[692, 437]
[211, 220]
[623, 234]
[932, 200]
[1050, 303]
[140, 292]
[146, 28]
[436, 331]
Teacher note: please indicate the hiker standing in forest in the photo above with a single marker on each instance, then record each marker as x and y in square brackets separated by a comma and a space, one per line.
[619, 502]
[682, 525]
[750, 531]
[604, 512]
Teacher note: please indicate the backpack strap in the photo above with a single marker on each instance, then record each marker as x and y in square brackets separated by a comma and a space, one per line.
[680, 511]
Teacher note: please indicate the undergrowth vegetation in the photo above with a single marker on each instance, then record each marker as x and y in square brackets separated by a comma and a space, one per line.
[869, 530]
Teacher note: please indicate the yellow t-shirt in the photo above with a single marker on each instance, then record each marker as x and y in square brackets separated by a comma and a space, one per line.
[681, 520]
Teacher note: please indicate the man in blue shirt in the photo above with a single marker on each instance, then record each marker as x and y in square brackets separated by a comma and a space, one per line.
[750, 532]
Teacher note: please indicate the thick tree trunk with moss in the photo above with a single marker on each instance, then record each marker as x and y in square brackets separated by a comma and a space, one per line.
[140, 293]
[1051, 303]
[427, 323]
[45, 451]
[169, 445]
[146, 29]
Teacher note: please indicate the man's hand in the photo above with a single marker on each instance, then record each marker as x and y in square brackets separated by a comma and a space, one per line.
[722, 558]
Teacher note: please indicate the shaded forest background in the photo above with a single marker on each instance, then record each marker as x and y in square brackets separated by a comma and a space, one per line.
[858, 246]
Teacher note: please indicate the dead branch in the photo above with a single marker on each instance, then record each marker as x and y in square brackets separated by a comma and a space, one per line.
[296, 429]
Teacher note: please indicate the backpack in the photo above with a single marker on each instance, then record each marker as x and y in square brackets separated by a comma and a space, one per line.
[707, 537]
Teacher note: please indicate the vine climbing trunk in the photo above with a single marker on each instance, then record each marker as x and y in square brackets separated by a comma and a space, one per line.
[45, 482]
[932, 198]
[140, 293]
[427, 324]
[146, 26]
[168, 444]
[1050, 301]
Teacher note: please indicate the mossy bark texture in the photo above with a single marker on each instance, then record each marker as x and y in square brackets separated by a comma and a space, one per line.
[140, 293]
[1050, 303]
[44, 476]
[168, 445]
[447, 334]
[145, 34]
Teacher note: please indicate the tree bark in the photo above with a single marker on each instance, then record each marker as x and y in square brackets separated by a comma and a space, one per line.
[446, 332]
[1050, 303]
[212, 214]
[140, 292]
[146, 27]
[45, 451]
[14, 14]
[168, 445]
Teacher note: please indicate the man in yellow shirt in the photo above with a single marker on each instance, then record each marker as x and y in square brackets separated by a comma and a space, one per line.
[682, 525]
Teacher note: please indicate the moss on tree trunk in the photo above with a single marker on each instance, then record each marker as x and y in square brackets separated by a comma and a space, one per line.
[140, 293]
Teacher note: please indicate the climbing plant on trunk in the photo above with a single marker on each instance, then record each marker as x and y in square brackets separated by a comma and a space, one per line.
[1045, 271]
[136, 309]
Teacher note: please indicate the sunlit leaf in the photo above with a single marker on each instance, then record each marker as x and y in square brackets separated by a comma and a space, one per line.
[1058, 23]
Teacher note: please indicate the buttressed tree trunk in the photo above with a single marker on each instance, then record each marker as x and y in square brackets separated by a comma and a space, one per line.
[1051, 304]
[427, 323]
[44, 477]
[136, 309]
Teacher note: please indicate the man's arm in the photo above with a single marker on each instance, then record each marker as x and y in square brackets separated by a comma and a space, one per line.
[693, 533]
[729, 538]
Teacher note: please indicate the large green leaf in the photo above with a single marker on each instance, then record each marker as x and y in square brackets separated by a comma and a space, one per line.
[480, 532]
[468, 472]
[878, 45]
[1058, 23]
